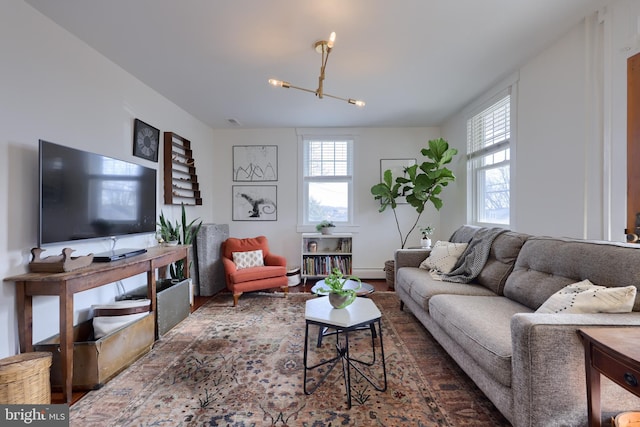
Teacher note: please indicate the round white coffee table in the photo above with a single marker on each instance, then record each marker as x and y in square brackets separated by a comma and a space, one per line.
[365, 288]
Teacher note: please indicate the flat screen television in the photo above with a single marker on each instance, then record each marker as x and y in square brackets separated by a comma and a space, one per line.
[88, 196]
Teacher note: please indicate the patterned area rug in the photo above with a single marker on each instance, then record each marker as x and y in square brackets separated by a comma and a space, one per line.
[243, 366]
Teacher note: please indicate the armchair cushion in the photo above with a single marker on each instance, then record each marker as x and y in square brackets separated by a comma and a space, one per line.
[257, 273]
[248, 259]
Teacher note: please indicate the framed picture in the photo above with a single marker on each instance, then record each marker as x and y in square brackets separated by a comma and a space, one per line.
[146, 140]
[255, 202]
[255, 163]
[397, 167]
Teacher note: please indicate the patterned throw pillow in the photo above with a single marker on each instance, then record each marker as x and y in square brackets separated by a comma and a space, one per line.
[443, 256]
[585, 297]
[248, 259]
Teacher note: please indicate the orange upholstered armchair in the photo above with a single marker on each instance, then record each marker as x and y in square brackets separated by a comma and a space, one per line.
[249, 266]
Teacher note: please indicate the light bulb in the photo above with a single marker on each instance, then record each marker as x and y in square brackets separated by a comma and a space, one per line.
[332, 39]
[279, 83]
[356, 102]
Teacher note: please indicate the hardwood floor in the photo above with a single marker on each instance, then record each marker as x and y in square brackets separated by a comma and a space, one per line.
[378, 284]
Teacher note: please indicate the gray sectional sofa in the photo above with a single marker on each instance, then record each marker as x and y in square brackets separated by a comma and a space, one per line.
[530, 365]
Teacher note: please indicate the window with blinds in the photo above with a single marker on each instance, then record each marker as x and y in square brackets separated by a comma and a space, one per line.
[327, 180]
[488, 163]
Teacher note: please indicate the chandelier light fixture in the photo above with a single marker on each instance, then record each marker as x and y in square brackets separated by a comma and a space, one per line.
[323, 47]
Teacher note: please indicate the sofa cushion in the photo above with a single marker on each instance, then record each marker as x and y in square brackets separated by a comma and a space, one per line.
[420, 286]
[443, 256]
[502, 258]
[585, 297]
[545, 265]
[486, 337]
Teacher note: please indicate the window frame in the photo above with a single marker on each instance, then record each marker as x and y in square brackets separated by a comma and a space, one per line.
[474, 169]
[303, 191]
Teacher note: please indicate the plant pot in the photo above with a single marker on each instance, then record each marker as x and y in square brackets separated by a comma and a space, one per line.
[339, 301]
[425, 243]
[326, 230]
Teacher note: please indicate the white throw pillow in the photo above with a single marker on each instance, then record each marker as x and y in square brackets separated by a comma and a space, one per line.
[248, 259]
[443, 256]
[585, 297]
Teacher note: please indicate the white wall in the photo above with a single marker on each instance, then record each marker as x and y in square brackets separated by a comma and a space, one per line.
[54, 87]
[376, 237]
[570, 133]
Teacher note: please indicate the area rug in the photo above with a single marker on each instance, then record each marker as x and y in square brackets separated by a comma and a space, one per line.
[243, 366]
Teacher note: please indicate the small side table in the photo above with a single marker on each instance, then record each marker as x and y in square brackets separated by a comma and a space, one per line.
[362, 313]
[614, 353]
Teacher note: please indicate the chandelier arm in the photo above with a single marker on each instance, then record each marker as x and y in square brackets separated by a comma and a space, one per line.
[337, 97]
[302, 88]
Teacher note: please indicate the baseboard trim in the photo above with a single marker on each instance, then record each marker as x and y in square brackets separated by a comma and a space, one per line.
[369, 273]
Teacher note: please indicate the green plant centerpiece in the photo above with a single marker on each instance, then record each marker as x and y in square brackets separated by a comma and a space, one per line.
[325, 226]
[339, 296]
[168, 233]
[183, 234]
[421, 183]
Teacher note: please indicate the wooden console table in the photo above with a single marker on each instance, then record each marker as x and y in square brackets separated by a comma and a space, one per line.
[65, 285]
[614, 353]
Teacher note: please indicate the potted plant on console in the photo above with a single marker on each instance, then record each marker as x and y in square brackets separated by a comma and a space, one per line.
[342, 289]
[178, 234]
[168, 234]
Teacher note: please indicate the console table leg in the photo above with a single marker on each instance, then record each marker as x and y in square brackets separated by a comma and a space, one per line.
[66, 346]
[25, 319]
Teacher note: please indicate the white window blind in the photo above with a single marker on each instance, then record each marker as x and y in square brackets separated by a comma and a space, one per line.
[489, 130]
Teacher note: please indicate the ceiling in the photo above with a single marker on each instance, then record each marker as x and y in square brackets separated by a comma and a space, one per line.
[414, 62]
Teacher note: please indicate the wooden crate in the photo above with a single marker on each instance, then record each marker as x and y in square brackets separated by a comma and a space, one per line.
[96, 362]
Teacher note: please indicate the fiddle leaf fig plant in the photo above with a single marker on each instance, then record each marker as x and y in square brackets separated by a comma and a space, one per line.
[421, 183]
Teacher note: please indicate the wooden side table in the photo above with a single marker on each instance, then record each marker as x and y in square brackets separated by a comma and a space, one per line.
[614, 353]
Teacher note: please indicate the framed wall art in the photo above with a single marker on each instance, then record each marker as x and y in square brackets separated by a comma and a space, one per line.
[255, 202]
[397, 167]
[146, 140]
[255, 163]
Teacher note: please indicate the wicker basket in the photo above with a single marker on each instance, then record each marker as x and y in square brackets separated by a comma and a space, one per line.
[627, 419]
[390, 270]
[24, 379]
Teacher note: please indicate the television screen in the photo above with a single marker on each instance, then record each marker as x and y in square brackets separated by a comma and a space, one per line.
[86, 196]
